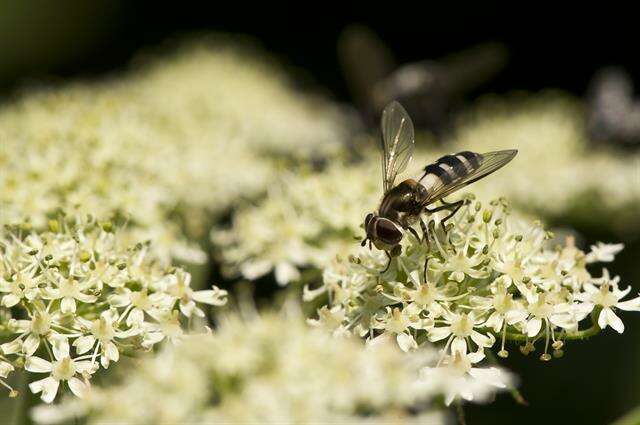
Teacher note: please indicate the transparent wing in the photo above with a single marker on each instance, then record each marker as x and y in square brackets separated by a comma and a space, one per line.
[446, 179]
[397, 142]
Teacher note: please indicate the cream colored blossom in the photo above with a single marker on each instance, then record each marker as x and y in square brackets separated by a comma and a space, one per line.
[80, 286]
[492, 275]
[269, 368]
[165, 148]
[305, 219]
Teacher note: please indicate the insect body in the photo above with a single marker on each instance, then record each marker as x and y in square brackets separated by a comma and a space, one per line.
[403, 205]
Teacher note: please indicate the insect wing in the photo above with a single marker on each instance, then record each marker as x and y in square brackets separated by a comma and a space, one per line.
[453, 172]
[397, 142]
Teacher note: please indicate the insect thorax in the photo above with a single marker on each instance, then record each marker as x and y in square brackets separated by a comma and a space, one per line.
[404, 202]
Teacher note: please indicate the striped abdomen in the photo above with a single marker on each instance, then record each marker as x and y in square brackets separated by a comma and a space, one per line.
[450, 169]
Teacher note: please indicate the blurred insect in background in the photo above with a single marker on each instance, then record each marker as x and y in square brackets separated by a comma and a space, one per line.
[403, 205]
[613, 113]
[430, 89]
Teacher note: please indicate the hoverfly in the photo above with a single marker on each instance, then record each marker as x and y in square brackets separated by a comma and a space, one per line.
[403, 205]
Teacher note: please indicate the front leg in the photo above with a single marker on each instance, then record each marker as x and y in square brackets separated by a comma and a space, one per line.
[455, 207]
[425, 235]
[388, 264]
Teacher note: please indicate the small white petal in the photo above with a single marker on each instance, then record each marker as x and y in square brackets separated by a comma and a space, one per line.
[48, 387]
[30, 344]
[135, 317]
[613, 320]
[85, 366]
[5, 369]
[77, 387]
[630, 305]
[85, 298]
[60, 346]
[406, 342]
[459, 345]
[439, 333]
[285, 273]
[515, 316]
[12, 347]
[186, 308]
[68, 305]
[37, 365]
[84, 344]
[10, 300]
[491, 376]
[494, 321]
[482, 340]
[111, 351]
[215, 296]
[49, 390]
[602, 319]
[533, 327]
[254, 270]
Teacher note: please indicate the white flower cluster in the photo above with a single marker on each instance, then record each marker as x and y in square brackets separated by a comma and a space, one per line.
[490, 276]
[165, 149]
[270, 369]
[74, 297]
[557, 172]
[304, 221]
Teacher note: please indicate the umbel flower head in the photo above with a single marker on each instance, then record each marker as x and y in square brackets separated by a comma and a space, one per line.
[303, 222]
[271, 368]
[166, 148]
[491, 277]
[74, 297]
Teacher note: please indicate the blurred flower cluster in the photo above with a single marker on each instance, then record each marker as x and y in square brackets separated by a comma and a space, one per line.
[74, 297]
[304, 221]
[489, 276]
[165, 149]
[272, 369]
[558, 173]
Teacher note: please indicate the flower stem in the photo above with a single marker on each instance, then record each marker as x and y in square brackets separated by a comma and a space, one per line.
[593, 330]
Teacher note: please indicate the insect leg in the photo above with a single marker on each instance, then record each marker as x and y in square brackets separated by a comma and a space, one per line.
[425, 232]
[440, 208]
[426, 262]
[414, 233]
[388, 264]
[455, 207]
[425, 235]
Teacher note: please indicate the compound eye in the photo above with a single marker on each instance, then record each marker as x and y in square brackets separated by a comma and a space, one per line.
[388, 232]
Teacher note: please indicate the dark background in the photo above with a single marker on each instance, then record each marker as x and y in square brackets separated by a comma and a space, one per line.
[596, 381]
[548, 47]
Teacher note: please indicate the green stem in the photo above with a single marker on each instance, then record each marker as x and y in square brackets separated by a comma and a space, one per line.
[460, 413]
[593, 330]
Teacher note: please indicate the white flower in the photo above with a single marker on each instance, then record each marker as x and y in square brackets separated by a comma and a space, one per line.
[603, 252]
[90, 290]
[460, 379]
[62, 369]
[207, 119]
[459, 330]
[491, 275]
[304, 220]
[282, 370]
[608, 296]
